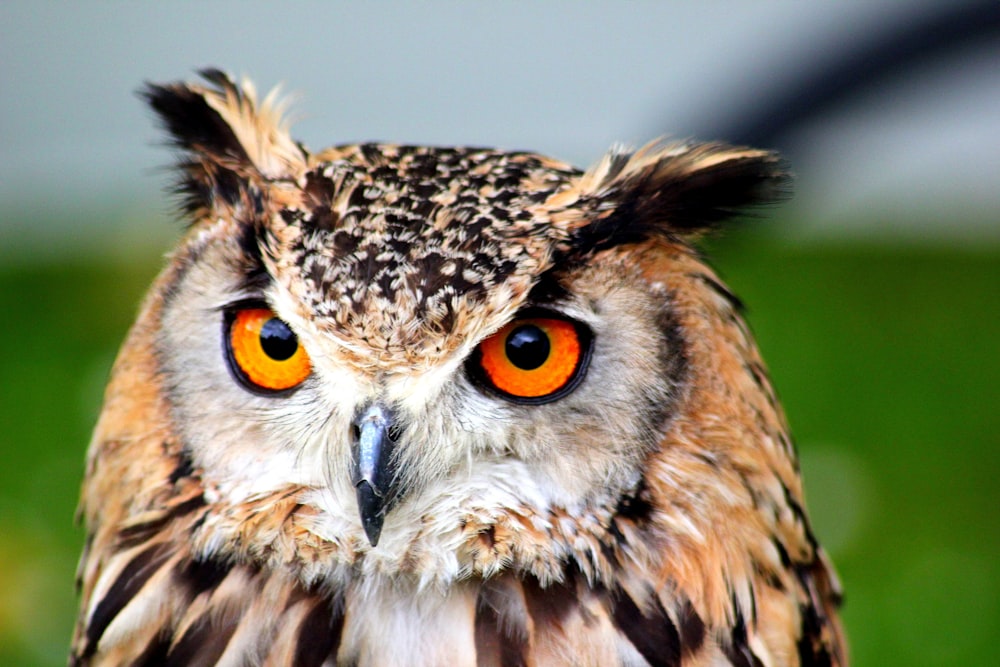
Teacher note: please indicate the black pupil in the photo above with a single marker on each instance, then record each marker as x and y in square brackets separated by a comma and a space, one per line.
[527, 347]
[277, 340]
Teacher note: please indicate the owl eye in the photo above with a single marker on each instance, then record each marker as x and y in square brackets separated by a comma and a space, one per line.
[533, 359]
[263, 352]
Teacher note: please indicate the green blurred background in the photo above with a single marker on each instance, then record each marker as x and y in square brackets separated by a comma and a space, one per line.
[875, 295]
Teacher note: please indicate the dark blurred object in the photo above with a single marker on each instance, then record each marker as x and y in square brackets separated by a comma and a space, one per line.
[857, 68]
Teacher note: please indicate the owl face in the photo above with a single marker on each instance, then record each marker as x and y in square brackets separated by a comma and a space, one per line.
[566, 371]
[409, 405]
[396, 328]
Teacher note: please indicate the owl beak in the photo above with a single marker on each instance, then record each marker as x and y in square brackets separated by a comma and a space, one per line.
[372, 472]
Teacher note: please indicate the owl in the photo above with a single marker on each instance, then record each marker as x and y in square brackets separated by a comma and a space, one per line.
[404, 405]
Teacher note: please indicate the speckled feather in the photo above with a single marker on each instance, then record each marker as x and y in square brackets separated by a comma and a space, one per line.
[222, 529]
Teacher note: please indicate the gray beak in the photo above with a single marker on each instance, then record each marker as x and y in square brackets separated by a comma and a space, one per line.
[373, 477]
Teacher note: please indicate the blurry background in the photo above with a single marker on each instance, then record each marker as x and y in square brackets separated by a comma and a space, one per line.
[875, 293]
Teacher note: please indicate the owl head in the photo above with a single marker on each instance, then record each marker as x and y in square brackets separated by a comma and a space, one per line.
[406, 329]
[379, 369]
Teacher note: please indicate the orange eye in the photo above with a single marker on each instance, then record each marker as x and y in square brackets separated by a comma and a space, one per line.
[533, 359]
[263, 352]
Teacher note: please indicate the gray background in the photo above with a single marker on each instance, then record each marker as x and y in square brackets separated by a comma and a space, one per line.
[563, 78]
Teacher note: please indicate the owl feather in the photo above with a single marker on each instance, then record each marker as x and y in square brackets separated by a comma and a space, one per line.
[496, 411]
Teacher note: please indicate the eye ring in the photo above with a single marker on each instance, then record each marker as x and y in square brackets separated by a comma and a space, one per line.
[538, 357]
[263, 353]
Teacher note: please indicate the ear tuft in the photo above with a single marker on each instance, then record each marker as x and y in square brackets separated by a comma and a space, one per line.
[194, 125]
[230, 139]
[677, 189]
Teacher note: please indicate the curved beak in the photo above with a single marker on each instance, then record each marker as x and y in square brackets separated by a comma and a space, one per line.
[372, 473]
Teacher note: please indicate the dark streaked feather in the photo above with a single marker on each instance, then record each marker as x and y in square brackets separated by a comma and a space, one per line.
[651, 631]
[202, 644]
[737, 649]
[319, 634]
[133, 577]
[502, 636]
